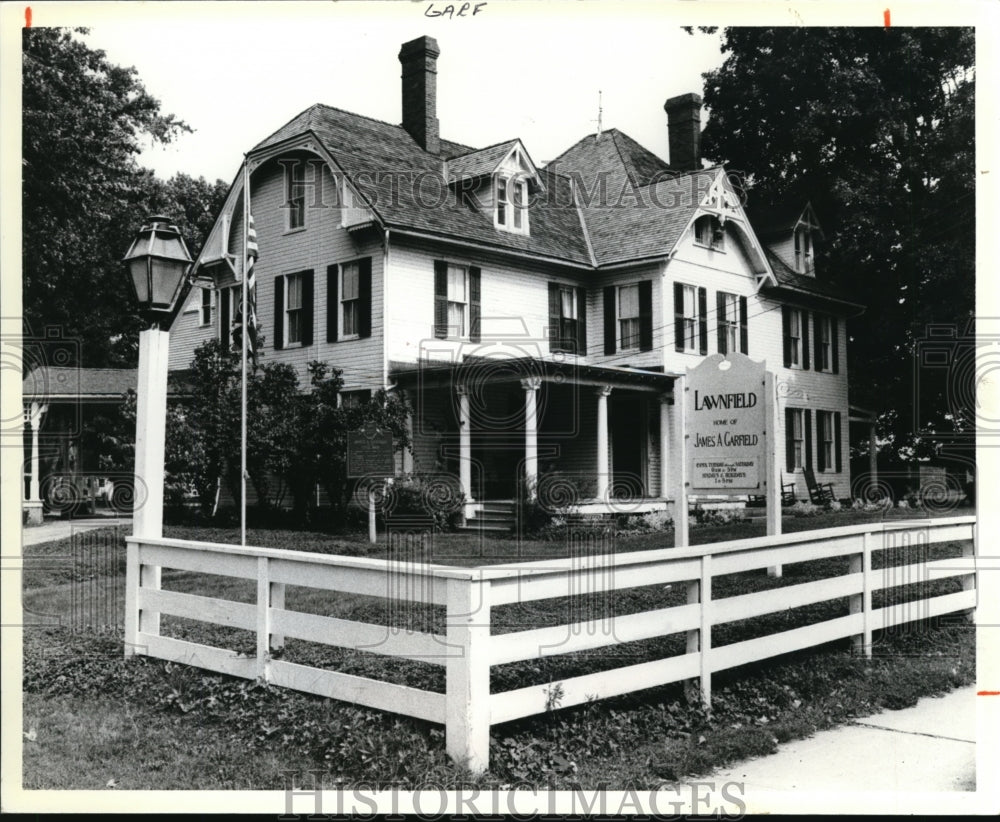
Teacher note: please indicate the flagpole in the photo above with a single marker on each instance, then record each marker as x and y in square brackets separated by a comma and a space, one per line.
[244, 339]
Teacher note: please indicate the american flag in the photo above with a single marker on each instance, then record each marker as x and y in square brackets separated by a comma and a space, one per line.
[252, 253]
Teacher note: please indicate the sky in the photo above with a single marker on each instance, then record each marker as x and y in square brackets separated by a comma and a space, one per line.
[235, 72]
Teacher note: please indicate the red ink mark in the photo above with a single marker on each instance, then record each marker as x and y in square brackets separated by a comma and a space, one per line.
[885, 16]
[27, 17]
[987, 693]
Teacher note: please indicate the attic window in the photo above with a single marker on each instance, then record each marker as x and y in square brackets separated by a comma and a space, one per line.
[511, 204]
[708, 232]
[804, 262]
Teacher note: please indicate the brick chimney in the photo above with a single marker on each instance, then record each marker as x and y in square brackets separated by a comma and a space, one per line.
[419, 59]
[684, 127]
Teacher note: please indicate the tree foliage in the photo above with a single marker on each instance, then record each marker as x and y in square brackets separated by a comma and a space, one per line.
[85, 195]
[875, 127]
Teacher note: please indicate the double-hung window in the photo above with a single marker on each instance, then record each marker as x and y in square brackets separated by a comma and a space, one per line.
[795, 337]
[458, 301]
[349, 300]
[207, 303]
[826, 440]
[729, 323]
[690, 318]
[708, 232]
[803, 251]
[293, 309]
[568, 315]
[512, 204]
[824, 343]
[628, 317]
[295, 186]
[797, 438]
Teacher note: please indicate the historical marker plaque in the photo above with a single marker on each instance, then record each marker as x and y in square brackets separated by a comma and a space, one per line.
[370, 453]
[726, 413]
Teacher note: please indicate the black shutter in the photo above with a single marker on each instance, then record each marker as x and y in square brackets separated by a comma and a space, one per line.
[703, 319]
[646, 315]
[224, 320]
[786, 331]
[307, 308]
[817, 343]
[441, 299]
[475, 303]
[805, 339]
[610, 317]
[581, 321]
[835, 346]
[678, 317]
[279, 313]
[836, 441]
[365, 297]
[555, 314]
[820, 451]
[332, 301]
[720, 321]
[789, 439]
[744, 333]
[809, 437]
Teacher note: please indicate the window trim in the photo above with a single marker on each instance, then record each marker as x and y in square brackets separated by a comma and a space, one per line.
[510, 201]
[824, 324]
[563, 319]
[730, 326]
[804, 250]
[341, 332]
[717, 241]
[824, 419]
[463, 332]
[286, 324]
[291, 200]
[691, 323]
[798, 442]
[637, 319]
[210, 307]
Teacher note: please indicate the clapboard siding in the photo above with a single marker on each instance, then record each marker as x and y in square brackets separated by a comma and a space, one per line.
[187, 332]
[514, 302]
[320, 244]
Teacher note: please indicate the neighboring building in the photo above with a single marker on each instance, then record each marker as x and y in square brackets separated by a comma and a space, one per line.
[536, 324]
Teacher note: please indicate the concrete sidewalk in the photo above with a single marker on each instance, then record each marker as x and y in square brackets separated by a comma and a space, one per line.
[62, 528]
[929, 747]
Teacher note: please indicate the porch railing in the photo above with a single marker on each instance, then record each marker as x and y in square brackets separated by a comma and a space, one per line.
[468, 649]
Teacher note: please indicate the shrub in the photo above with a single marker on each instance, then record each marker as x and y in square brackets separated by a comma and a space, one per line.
[437, 497]
[805, 509]
[720, 516]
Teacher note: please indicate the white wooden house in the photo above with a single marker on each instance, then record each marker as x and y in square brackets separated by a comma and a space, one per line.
[536, 317]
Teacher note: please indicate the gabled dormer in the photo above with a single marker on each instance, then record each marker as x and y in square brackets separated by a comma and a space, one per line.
[498, 181]
[790, 233]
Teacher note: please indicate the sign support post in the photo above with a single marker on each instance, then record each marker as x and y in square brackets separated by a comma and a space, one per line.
[680, 466]
[372, 535]
[773, 476]
[370, 454]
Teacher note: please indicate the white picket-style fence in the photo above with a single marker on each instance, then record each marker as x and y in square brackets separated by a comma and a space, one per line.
[467, 649]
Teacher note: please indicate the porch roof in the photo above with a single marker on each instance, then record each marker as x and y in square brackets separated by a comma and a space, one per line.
[515, 369]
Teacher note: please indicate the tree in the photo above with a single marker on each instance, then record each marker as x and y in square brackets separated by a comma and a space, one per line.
[875, 127]
[84, 194]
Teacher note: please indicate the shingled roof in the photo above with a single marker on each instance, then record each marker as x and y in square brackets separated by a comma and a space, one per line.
[382, 160]
[805, 288]
[51, 383]
[478, 163]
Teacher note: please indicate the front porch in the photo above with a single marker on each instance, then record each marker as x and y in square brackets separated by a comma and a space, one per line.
[575, 438]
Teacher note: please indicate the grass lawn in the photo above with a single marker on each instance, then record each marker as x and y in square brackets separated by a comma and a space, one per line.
[201, 730]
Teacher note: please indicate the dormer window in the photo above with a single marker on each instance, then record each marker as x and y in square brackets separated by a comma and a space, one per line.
[804, 263]
[708, 232]
[511, 204]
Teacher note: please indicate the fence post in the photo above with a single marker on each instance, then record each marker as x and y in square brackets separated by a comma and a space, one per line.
[699, 640]
[467, 671]
[277, 601]
[862, 603]
[263, 619]
[131, 599]
[969, 580]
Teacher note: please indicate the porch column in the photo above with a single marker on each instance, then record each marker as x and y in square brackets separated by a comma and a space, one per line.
[665, 466]
[33, 506]
[603, 467]
[531, 386]
[464, 442]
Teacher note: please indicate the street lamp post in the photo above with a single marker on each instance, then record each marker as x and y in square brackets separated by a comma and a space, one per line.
[158, 264]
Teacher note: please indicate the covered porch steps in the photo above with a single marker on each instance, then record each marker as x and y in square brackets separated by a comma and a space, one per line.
[498, 517]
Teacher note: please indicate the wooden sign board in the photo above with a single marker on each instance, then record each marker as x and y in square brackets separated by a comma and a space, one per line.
[370, 453]
[726, 416]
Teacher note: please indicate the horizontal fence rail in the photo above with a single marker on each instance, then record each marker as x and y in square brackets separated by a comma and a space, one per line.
[468, 649]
